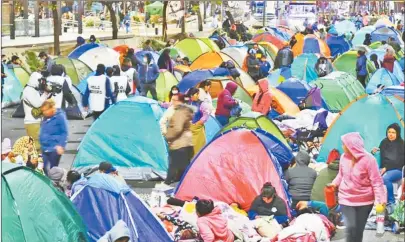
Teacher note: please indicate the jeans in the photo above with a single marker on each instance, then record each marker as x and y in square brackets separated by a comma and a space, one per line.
[51, 159]
[223, 120]
[390, 177]
[150, 87]
[127, 28]
[355, 221]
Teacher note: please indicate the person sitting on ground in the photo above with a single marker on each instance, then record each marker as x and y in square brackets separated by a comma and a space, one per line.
[253, 65]
[118, 233]
[107, 168]
[57, 176]
[75, 182]
[300, 178]
[389, 60]
[7, 155]
[326, 176]
[264, 67]
[268, 203]
[323, 67]
[263, 98]
[225, 103]
[374, 59]
[333, 214]
[211, 224]
[184, 230]
[148, 45]
[25, 147]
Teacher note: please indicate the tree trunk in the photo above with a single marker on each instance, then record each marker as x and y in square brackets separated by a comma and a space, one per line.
[80, 17]
[205, 10]
[199, 17]
[12, 20]
[56, 29]
[36, 18]
[113, 19]
[183, 23]
[164, 25]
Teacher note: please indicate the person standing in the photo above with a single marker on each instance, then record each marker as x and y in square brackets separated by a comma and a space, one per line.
[165, 62]
[148, 73]
[127, 23]
[389, 60]
[148, 45]
[47, 60]
[53, 134]
[359, 184]
[131, 55]
[361, 67]
[58, 77]
[204, 94]
[132, 74]
[119, 84]
[3, 78]
[263, 98]
[98, 95]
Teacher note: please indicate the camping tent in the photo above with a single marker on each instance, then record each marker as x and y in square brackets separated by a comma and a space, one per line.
[360, 35]
[303, 67]
[210, 43]
[394, 90]
[165, 81]
[11, 89]
[338, 89]
[382, 33]
[239, 52]
[397, 71]
[34, 210]
[174, 52]
[138, 153]
[345, 26]
[76, 69]
[94, 54]
[155, 8]
[295, 89]
[278, 76]
[140, 54]
[347, 63]
[210, 60]
[193, 47]
[269, 49]
[212, 127]
[194, 78]
[253, 120]
[381, 77]
[103, 202]
[245, 79]
[21, 73]
[337, 44]
[180, 71]
[360, 116]
[270, 37]
[311, 44]
[233, 168]
[282, 104]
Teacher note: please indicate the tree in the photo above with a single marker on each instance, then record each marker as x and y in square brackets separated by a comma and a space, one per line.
[183, 23]
[164, 25]
[56, 28]
[113, 19]
[196, 8]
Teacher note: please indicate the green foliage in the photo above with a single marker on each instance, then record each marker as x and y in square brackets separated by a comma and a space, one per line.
[33, 62]
[136, 19]
[158, 45]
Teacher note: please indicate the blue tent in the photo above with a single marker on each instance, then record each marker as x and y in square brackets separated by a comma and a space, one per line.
[303, 67]
[280, 34]
[402, 63]
[193, 78]
[381, 77]
[12, 88]
[104, 201]
[140, 54]
[360, 35]
[337, 45]
[212, 127]
[360, 116]
[76, 53]
[382, 33]
[134, 144]
[295, 89]
[394, 90]
[398, 71]
[83, 84]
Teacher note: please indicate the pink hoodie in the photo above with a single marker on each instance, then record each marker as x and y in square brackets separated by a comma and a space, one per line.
[360, 184]
[214, 227]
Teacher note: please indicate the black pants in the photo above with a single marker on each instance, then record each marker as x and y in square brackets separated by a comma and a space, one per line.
[51, 159]
[178, 161]
[355, 219]
[96, 114]
[362, 79]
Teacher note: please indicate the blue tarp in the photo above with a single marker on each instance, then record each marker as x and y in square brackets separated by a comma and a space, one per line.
[12, 88]
[381, 77]
[76, 53]
[295, 89]
[102, 209]
[337, 45]
[193, 78]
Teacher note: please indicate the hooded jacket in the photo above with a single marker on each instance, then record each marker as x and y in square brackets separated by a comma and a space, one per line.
[392, 152]
[285, 57]
[225, 100]
[300, 178]
[263, 98]
[325, 176]
[32, 98]
[359, 182]
[148, 72]
[388, 63]
[119, 230]
[53, 132]
[214, 227]
[178, 133]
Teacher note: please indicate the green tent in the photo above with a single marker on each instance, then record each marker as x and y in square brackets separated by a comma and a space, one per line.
[34, 210]
[213, 46]
[254, 120]
[22, 74]
[76, 69]
[174, 52]
[193, 48]
[347, 63]
[338, 89]
[375, 45]
[155, 8]
[164, 83]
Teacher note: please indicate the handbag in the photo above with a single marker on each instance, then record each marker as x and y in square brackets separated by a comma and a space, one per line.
[35, 112]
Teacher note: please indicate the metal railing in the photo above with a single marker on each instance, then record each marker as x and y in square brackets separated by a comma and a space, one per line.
[26, 27]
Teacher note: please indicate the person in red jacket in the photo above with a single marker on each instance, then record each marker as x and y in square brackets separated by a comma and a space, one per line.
[263, 98]
[389, 60]
[225, 103]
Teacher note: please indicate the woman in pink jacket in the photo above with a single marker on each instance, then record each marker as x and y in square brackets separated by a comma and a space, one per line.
[359, 184]
[211, 224]
[263, 98]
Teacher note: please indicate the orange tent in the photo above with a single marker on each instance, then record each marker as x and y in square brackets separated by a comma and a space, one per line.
[123, 50]
[310, 44]
[180, 70]
[210, 60]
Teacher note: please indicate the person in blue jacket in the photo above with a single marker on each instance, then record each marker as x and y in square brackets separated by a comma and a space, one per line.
[361, 67]
[264, 66]
[127, 22]
[148, 73]
[53, 134]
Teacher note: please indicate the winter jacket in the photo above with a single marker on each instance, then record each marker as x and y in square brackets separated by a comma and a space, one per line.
[361, 65]
[53, 132]
[206, 97]
[225, 100]
[392, 152]
[134, 61]
[388, 63]
[253, 65]
[264, 68]
[32, 98]
[263, 98]
[285, 57]
[164, 120]
[300, 178]
[178, 132]
[276, 208]
[148, 73]
[325, 176]
[166, 63]
[119, 230]
[359, 182]
[214, 227]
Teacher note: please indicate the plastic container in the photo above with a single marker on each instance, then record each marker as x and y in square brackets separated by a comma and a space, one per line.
[330, 197]
[380, 214]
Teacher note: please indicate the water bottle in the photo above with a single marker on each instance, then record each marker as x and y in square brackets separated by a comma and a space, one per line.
[330, 197]
[380, 212]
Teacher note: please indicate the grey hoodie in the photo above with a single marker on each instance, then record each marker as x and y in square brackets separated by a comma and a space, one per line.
[300, 178]
[119, 230]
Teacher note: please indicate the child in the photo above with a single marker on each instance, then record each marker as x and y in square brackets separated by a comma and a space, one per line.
[264, 67]
[184, 230]
[211, 224]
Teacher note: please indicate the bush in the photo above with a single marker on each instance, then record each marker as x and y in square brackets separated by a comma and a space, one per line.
[154, 19]
[136, 19]
[33, 62]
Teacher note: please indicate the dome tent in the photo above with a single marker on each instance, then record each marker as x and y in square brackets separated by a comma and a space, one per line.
[138, 154]
[360, 35]
[210, 60]
[360, 116]
[269, 37]
[164, 83]
[303, 67]
[193, 47]
[345, 26]
[347, 63]
[21, 73]
[397, 71]
[94, 54]
[174, 52]
[12, 89]
[338, 44]
[295, 89]
[34, 210]
[76, 69]
[311, 44]
[381, 77]
[382, 33]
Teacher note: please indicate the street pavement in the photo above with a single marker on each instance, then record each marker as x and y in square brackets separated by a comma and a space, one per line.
[13, 128]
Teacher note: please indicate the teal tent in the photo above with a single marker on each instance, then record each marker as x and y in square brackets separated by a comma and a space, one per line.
[381, 77]
[12, 89]
[303, 67]
[34, 210]
[127, 135]
[369, 115]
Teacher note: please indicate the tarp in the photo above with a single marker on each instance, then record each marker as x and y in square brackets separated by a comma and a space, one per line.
[94, 54]
[381, 77]
[253, 120]
[347, 63]
[338, 44]
[101, 209]
[359, 116]
[12, 89]
[194, 78]
[193, 48]
[303, 67]
[345, 26]
[21, 73]
[382, 33]
[311, 44]
[211, 60]
[233, 168]
[165, 81]
[338, 89]
[76, 69]
[270, 37]
[134, 145]
[295, 89]
[34, 210]
[360, 35]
